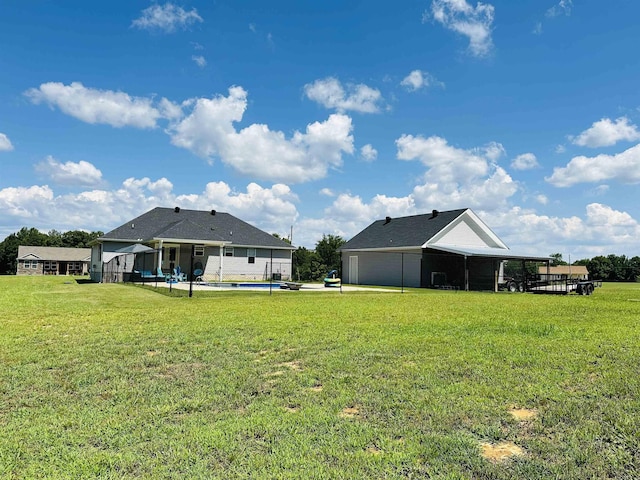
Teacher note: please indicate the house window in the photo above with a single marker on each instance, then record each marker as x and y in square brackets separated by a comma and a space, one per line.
[50, 265]
[75, 268]
[198, 250]
[30, 264]
[228, 251]
[251, 255]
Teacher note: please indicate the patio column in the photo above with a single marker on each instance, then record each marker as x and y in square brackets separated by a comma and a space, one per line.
[159, 255]
[221, 263]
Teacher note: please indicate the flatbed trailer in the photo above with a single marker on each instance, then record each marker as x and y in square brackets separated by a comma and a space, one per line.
[564, 286]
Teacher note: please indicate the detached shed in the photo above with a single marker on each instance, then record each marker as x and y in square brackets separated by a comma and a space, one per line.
[452, 249]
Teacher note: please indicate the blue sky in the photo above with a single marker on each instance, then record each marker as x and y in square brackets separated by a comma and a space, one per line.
[325, 116]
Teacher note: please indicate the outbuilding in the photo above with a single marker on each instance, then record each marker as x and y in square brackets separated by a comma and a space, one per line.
[453, 249]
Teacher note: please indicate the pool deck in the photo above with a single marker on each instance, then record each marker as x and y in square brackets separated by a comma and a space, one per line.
[305, 287]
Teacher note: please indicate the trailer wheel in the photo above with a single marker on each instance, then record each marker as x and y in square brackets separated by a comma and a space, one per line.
[520, 287]
[589, 289]
[512, 287]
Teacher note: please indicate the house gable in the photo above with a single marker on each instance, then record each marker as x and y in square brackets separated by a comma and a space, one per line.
[467, 230]
[29, 256]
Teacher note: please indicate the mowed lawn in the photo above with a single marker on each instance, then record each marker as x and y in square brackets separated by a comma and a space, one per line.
[113, 381]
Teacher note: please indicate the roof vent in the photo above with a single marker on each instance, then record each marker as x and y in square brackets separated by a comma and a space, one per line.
[387, 220]
[213, 212]
[434, 213]
[177, 209]
[133, 225]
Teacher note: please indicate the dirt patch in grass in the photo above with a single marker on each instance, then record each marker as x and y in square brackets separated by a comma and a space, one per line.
[501, 452]
[350, 412]
[293, 365]
[523, 414]
[373, 450]
[316, 388]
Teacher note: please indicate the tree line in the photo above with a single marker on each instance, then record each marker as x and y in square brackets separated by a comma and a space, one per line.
[34, 237]
[611, 268]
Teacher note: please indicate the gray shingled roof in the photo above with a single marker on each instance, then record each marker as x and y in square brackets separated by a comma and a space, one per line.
[62, 254]
[412, 231]
[195, 226]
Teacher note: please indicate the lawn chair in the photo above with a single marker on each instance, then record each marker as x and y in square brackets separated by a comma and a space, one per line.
[198, 271]
[178, 275]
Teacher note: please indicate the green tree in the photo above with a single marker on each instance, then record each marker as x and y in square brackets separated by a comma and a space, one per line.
[303, 264]
[327, 250]
[557, 260]
[78, 238]
[634, 269]
[599, 268]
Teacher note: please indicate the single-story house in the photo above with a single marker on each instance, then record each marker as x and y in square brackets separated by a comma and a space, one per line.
[34, 260]
[452, 249]
[223, 247]
[559, 272]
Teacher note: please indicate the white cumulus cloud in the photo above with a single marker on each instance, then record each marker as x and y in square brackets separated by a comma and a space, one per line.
[96, 106]
[209, 131]
[601, 230]
[5, 143]
[456, 177]
[604, 133]
[525, 161]
[81, 173]
[623, 167]
[167, 18]
[270, 208]
[418, 79]
[475, 23]
[368, 153]
[330, 93]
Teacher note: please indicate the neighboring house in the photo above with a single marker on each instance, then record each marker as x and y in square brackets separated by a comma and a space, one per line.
[452, 249]
[52, 260]
[225, 247]
[560, 272]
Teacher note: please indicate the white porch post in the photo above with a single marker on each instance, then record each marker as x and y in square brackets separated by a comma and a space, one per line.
[221, 263]
[159, 255]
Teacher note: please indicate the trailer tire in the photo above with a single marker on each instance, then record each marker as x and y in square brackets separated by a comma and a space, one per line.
[521, 287]
[589, 289]
[512, 287]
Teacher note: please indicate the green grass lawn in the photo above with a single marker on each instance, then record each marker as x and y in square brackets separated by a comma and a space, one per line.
[116, 381]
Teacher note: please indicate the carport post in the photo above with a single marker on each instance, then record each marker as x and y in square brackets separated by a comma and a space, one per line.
[466, 275]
